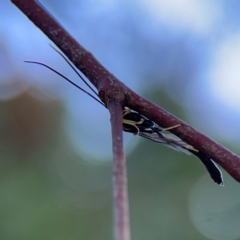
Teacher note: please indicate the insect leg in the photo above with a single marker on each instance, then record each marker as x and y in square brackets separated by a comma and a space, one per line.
[172, 127]
[132, 119]
[134, 124]
[180, 142]
[126, 111]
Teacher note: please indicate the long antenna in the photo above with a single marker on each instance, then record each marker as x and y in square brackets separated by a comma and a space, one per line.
[74, 84]
[74, 69]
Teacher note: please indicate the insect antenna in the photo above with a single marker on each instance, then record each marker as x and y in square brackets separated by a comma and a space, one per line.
[74, 69]
[61, 75]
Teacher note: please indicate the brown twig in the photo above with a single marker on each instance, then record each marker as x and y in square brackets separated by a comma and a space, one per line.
[106, 83]
[121, 214]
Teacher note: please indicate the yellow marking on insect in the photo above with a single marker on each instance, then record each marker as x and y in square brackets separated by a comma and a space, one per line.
[130, 122]
[133, 123]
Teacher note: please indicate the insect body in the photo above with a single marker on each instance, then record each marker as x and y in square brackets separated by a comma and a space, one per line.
[137, 124]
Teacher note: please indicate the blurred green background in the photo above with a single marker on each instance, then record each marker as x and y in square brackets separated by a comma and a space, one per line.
[55, 145]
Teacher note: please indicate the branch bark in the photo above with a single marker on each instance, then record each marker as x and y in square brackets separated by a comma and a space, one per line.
[107, 84]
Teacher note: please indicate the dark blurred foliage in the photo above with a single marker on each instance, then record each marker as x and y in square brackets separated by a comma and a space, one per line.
[35, 201]
[28, 126]
[49, 192]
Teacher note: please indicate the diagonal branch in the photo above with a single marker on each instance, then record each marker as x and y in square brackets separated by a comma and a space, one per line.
[106, 83]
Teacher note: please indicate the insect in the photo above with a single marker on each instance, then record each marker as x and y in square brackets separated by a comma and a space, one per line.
[139, 125]
[135, 123]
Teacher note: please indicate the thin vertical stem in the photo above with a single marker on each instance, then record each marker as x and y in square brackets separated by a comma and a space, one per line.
[120, 194]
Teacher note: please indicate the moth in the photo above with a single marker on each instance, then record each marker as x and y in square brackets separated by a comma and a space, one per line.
[134, 122]
[137, 124]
